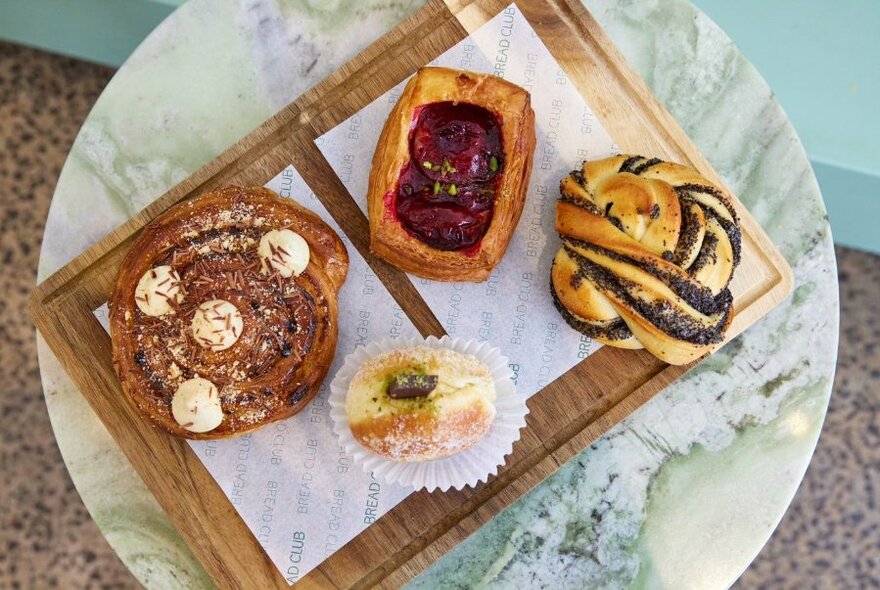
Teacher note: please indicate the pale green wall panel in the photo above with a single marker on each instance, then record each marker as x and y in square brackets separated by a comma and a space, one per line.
[102, 31]
[822, 60]
[853, 202]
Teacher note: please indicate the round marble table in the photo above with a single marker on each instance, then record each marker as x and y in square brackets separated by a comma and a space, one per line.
[685, 492]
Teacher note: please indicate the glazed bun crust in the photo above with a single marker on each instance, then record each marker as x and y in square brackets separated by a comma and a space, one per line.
[285, 328]
[648, 252]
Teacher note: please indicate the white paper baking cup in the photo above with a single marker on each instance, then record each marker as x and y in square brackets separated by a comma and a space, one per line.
[462, 469]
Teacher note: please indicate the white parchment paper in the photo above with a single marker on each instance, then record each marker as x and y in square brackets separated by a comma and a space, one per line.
[292, 484]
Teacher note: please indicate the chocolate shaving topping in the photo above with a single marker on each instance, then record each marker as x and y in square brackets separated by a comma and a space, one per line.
[278, 339]
[281, 316]
[298, 394]
[408, 385]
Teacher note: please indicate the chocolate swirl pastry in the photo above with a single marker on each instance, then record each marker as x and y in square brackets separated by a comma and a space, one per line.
[450, 173]
[648, 250]
[223, 316]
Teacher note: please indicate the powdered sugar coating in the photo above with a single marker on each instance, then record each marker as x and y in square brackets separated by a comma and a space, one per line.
[452, 418]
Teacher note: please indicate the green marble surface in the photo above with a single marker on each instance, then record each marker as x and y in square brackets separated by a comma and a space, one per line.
[684, 493]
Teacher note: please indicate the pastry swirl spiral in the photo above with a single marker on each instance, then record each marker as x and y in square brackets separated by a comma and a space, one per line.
[648, 250]
[242, 338]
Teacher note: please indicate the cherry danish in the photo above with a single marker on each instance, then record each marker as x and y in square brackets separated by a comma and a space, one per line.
[450, 173]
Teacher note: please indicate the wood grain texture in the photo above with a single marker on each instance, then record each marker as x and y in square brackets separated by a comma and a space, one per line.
[566, 416]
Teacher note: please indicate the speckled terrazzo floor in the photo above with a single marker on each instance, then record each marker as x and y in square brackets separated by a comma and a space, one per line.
[828, 538]
[48, 539]
[830, 535]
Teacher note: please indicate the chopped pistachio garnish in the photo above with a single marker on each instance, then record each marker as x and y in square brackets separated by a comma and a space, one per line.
[493, 164]
[453, 190]
[436, 187]
[427, 164]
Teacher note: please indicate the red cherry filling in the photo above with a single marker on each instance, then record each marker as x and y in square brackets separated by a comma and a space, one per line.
[443, 226]
[445, 194]
[456, 141]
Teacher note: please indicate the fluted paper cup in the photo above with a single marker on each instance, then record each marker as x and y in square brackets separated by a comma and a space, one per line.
[466, 468]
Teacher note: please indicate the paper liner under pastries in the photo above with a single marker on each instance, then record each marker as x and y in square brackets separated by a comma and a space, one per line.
[462, 469]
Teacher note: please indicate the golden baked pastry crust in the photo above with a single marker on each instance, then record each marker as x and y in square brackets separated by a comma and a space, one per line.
[453, 418]
[419, 437]
[290, 324]
[649, 248]
[511, 104]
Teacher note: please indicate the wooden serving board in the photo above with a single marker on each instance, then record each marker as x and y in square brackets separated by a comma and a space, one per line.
[566, 416]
